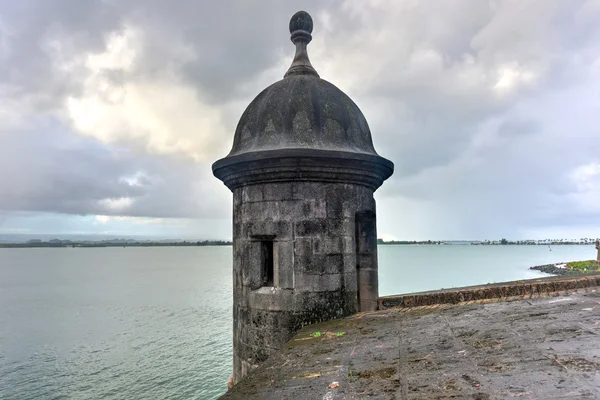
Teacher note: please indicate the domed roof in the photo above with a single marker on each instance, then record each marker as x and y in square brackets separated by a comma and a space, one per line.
[302, 115]
[302, 111]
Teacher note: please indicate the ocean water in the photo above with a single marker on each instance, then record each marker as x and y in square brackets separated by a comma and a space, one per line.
[155, 323]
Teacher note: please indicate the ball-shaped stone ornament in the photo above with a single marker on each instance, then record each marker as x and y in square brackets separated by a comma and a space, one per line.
[301, 21]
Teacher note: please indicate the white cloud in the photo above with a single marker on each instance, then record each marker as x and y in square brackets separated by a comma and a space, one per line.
[162, 115]
[102, 219]
[587, 183]
[121, 204]
[106, 219]
[512, 76]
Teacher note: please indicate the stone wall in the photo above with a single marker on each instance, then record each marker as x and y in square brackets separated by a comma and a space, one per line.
[312, 227]
[366, 254]
[507, 290]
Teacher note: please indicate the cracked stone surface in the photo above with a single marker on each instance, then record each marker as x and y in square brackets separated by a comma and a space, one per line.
[544, 348]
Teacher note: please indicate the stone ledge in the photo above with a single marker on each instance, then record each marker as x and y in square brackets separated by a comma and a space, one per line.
[513, 290]
[303, 165]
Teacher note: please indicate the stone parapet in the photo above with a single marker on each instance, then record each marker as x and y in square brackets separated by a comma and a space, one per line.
[514, 290]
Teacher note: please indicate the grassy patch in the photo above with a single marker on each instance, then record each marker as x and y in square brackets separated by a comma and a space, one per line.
[583, 266]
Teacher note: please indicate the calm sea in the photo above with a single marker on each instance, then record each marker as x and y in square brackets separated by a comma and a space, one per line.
[155, 323]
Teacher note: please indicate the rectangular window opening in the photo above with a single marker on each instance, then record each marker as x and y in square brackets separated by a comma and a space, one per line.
[267, 268]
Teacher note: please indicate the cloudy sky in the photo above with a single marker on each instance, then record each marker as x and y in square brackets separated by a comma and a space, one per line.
[112, 111]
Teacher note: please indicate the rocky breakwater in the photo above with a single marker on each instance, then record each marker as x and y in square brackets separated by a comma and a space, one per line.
[554, 269]
[569, 268]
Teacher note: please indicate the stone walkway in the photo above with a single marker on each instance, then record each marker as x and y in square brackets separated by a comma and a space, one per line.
[544, 348]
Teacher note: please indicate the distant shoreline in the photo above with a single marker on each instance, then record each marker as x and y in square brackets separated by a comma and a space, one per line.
[502, 242]
[57, 243]
[74, 244]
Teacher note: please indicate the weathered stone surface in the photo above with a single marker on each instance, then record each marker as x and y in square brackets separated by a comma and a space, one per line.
[281, 229]
[302, 112]
[546, 347]
[315, 257]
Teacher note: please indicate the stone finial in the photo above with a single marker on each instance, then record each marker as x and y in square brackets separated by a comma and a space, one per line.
[301, 26]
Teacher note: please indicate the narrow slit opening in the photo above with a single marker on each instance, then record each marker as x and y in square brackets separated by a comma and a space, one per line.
[267, 270]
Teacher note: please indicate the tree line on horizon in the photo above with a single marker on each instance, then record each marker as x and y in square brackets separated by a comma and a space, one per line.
[112, 243]
[502, 241]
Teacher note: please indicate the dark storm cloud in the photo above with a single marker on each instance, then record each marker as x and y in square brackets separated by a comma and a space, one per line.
[232, 42]
[39, 174]
[46, 171]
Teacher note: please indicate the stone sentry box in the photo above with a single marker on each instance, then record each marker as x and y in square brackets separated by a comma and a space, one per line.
[303, 171]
